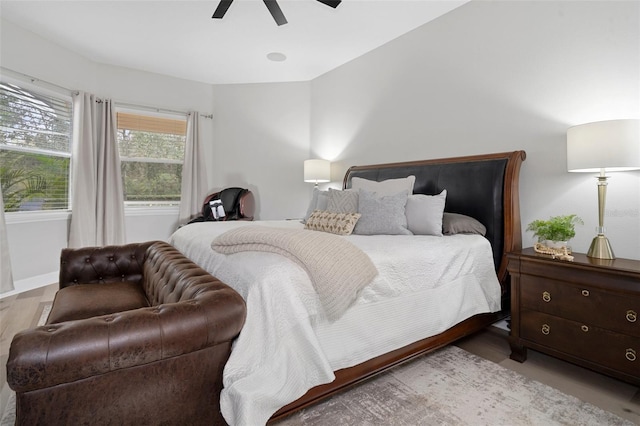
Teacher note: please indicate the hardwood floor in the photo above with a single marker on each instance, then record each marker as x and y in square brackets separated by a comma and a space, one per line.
[24, 310]
[19, 312]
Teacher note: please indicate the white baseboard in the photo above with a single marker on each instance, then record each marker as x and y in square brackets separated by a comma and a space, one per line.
[31, 283]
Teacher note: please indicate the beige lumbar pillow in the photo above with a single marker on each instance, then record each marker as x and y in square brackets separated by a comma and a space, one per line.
[335, 223]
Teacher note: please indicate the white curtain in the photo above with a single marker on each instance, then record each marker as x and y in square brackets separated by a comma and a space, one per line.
[194, 175]
[6, 278]
[97, 216]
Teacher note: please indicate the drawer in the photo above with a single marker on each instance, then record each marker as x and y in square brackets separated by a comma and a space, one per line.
[597, 307]
[617, 351]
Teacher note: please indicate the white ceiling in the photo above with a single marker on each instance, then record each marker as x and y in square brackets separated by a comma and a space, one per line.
[179, 38]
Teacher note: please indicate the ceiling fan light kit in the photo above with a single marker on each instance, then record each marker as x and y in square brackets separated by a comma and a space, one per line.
[273, 7]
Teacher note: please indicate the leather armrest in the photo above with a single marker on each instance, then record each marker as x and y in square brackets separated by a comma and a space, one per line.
[74, 350]
[94, 265]
[247, 206]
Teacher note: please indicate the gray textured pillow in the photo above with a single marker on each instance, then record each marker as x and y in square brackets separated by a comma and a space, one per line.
[455, 223]
[385, 187]
[342, 201]
[382, 214]
[424, 213]
[319, 201]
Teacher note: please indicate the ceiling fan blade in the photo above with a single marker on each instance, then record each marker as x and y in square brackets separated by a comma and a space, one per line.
[276, 12]
[222, 8]
[332, 3]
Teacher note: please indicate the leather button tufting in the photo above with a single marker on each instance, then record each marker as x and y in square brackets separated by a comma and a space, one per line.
[111, 258]
[87, 260]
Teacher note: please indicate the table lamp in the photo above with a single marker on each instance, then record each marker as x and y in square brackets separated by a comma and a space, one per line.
[603, 146]
[317, 171]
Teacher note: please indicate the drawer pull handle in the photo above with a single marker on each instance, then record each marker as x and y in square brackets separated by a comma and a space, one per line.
[546, 296]
[632, 316]
[545, 329]
[630, 354]
[585, 293]
[584, 328]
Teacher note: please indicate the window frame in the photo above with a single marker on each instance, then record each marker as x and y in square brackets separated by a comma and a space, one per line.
[136, 208]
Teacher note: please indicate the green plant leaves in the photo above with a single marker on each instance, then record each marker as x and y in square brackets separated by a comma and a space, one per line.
[557, 228]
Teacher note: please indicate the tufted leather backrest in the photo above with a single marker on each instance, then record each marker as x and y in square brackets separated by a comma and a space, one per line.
[165, 274]
[94, 265]
[169, 276]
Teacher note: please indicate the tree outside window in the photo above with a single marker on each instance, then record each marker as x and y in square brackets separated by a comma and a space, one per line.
[151, 152]
[35, 149]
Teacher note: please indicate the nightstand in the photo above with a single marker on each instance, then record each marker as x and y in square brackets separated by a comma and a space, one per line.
[585, 311]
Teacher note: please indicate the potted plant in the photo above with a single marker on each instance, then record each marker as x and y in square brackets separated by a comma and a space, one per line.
[556, 231]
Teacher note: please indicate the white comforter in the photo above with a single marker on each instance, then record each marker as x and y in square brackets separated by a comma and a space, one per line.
[425, 285]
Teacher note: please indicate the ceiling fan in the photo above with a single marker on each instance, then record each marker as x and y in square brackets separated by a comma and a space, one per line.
[273, 7]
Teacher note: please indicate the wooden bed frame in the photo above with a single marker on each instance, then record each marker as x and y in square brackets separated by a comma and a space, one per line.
[482, 186]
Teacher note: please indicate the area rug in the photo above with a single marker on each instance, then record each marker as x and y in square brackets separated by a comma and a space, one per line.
[452, 387]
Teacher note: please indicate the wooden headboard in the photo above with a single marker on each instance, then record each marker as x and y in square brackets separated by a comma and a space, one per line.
[484, 187]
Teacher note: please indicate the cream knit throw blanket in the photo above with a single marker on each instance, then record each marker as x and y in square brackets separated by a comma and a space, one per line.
[337, 268]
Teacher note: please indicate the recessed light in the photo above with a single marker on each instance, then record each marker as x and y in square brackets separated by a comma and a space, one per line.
[276, 56]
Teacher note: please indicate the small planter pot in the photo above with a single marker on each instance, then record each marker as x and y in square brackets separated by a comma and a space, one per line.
[555, 244]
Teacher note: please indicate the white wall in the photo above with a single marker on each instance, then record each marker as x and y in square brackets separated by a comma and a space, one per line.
[261, 139]
[493, 77]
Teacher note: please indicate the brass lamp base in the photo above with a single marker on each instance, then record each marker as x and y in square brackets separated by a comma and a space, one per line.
[600, 248]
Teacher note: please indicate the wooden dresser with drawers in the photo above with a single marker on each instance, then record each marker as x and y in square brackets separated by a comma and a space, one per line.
[584, 311]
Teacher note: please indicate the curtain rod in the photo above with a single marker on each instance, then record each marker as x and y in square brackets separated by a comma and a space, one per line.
[155, 109]
[35, 80]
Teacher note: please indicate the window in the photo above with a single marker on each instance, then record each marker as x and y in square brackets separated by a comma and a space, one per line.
[35, 149]
[152, 152]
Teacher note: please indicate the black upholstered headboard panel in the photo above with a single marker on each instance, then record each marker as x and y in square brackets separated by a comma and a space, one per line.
[484, 187]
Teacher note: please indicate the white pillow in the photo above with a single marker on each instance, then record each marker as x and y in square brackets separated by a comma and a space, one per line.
[424, 213]
[382, 214]
[319, 201]
[385, 187]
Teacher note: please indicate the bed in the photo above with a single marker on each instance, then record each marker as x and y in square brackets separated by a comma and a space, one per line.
[290, 354]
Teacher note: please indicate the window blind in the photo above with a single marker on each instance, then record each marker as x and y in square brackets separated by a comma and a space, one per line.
[146, 123]
[35, 149]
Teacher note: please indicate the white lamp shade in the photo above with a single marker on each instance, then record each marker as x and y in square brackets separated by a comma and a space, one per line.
[612, 145]
[317, 171]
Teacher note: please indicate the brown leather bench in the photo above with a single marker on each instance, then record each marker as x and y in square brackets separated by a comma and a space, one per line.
[138, 334]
